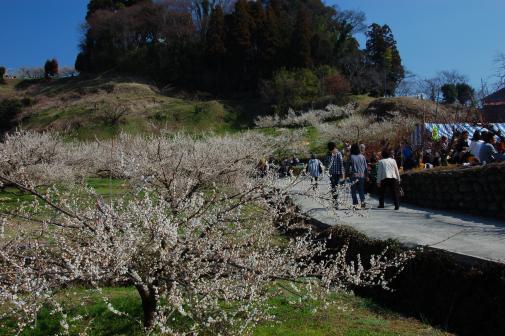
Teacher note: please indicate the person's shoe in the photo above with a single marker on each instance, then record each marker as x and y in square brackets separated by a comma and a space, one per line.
[363, 205]
[397, 208]
[380, 207]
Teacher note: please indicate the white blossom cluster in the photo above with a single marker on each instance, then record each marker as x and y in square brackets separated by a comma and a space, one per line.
[40, 158]
[197, 234]
[363, 129]
[309, 118]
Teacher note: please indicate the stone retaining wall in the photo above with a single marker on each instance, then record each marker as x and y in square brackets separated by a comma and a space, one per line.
[476, 190]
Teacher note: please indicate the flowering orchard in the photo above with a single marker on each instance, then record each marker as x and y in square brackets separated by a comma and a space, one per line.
[365, 129]
[309, 118]
[196, 234]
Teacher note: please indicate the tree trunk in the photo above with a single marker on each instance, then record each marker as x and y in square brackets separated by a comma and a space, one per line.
[149, 304]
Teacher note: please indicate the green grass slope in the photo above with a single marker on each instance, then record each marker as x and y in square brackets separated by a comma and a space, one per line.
[84, 108]
[346, 315]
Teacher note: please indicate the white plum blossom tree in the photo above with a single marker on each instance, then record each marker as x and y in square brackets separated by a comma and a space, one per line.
[307, 118]
[197, 234]
[366, 129]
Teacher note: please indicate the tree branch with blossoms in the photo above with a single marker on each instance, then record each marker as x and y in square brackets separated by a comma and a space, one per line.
[196, 235]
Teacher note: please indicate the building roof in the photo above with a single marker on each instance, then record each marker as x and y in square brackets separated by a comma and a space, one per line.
[494, 97]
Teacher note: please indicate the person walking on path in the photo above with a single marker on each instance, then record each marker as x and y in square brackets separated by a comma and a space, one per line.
[388, 177]
[358, 174]
[314, 169]
[335, 169]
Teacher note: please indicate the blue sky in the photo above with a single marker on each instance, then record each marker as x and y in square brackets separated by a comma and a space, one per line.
[32, 31]
[432, 35]
[435, 35]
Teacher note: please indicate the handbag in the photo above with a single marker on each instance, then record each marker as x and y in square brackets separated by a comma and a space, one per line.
[402, 193]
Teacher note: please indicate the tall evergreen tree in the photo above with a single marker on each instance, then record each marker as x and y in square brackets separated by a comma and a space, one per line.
[449, 93]
[271, 45]
[202, 11]
[257, 13]
[301, 40]
[275, 5]
[2, 74]
[383, 55]
[240, 37]
[51, 68]
[240, 30]
[466, 94]
[216, 35]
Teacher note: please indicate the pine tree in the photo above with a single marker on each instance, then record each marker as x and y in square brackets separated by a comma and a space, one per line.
[270, 43]
[275, 5]
[216, 36]
[241, 62]
[2, 74]
[301, 40]
[257, 13]
[383, 55]
[202, 11]
[51, 68]
[449, 93]
[466, 94]
[240, 31]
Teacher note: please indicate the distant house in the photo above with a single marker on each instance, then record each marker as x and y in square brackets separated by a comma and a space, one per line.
[494, 107]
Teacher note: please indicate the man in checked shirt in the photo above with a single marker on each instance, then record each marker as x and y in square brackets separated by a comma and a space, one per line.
[335, 164]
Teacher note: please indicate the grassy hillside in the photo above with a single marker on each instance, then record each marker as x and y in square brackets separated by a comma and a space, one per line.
[103, 106]
[7, 89]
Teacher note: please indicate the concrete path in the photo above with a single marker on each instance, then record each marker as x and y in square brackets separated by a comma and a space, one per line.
[462, 234]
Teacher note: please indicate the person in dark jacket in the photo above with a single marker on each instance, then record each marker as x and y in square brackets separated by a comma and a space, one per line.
[335, 166]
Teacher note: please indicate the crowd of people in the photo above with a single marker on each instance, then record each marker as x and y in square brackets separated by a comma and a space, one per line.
[349, 165]
[482, 148]
[378, 170]
[363, 172]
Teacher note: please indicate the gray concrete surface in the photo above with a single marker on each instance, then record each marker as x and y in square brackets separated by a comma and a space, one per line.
[463, 234]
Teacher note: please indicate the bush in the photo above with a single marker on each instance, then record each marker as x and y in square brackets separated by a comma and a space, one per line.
[290, 89]
[337, 85]
[2, 74]
[51, 68]
[9, 109]
[302, 89]
[309, 118]
[450, 93]
[362, 129]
